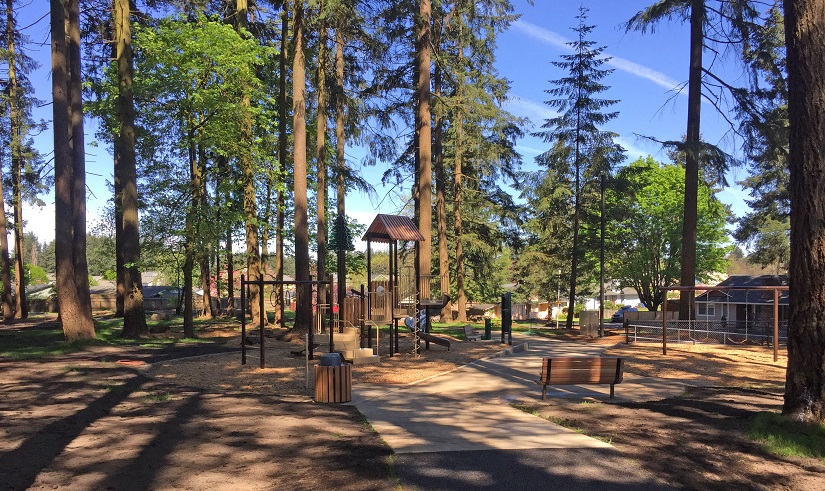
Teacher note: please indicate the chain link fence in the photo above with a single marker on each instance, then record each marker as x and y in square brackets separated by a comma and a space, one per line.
[707, 331]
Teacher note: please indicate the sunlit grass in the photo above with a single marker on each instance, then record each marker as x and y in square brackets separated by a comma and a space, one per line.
[786, 438]
[158, 397]
[27, 343]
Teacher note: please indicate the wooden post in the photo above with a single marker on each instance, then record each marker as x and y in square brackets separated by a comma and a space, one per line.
[664, 325]
[775, 324]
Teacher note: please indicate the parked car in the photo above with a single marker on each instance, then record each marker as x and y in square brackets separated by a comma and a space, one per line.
[619, 315]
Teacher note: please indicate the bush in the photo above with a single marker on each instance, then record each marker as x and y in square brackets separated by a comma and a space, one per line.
[110, 275]
[37, 275]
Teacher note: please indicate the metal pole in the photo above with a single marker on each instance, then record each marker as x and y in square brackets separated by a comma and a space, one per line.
[775, 324]
[243, 320]
[601, 260]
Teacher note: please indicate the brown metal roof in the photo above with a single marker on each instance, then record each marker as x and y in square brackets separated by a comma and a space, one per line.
[387, 228]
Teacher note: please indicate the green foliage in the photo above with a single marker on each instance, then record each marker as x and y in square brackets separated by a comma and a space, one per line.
[93, 281]
[110, 275]
[36, 275]
[784, 437]
[645, 204]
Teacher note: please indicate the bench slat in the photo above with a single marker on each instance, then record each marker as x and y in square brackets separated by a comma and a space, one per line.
[604, 376]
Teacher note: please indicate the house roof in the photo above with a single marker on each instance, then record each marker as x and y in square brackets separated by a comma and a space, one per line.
[741, 294]
[388, 228]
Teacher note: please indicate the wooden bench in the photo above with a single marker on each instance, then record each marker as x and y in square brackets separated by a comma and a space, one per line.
[471, 334]
[580, 371]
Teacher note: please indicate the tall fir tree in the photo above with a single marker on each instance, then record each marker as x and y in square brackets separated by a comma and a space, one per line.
[581, 151]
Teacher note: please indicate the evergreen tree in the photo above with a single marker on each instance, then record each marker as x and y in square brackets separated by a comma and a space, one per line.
[581, 151]
[763, 112]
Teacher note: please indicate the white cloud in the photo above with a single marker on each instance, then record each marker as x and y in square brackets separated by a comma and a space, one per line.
[536, 111]
[633, 152]
[40, 221]
[529, 150]
[554, 39]
[642, 71]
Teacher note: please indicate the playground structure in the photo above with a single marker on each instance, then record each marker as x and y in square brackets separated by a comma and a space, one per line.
[401, 297]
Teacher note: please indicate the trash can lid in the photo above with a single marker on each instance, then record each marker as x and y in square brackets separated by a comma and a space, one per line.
[331, 360]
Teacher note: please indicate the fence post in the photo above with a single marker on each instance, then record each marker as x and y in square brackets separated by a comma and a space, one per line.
[775, 324]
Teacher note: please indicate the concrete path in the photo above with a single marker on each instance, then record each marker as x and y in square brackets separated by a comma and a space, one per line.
[453, 419]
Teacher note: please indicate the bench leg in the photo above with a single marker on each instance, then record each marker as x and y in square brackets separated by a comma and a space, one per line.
[611, 391]
[543, 392]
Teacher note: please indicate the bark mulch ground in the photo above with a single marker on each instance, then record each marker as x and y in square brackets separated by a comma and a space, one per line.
[102, 418]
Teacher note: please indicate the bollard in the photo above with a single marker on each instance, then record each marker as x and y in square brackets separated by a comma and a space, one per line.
[488, 331]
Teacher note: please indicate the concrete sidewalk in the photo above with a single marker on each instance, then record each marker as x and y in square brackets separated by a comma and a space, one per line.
[468, 409]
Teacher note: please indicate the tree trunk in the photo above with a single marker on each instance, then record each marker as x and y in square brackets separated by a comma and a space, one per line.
[230, 276]
[21, 310]
[805, 37]
[282, 157]
[303, 309]
[134, 316]
[574, 260]
[189, 244]
[7, 300]
[459, 228]
[204, 252]
[223, 170]
[458, 195]
[688, 275]
[74, 304]
[321, 162]
[440, 197]
[341, 162]
[120, 288]
[424, 169]
[250, 205]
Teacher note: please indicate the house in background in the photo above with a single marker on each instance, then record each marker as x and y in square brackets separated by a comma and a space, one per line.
[612, 293]
[753, 306]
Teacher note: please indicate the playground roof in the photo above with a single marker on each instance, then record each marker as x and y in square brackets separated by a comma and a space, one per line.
[387, 228]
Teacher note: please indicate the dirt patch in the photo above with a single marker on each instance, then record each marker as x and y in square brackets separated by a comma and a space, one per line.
[697, 440]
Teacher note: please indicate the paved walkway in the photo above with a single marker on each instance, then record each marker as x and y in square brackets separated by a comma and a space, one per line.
[449, 417]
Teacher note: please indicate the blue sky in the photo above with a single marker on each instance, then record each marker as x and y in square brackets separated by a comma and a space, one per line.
[649, 69]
